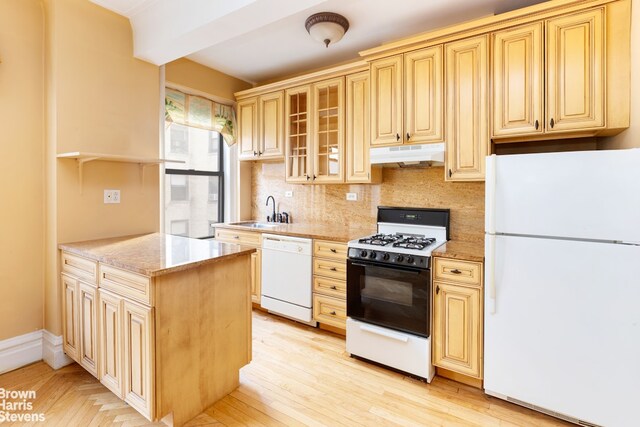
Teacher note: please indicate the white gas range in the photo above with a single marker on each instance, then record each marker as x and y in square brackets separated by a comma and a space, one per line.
[388, 289]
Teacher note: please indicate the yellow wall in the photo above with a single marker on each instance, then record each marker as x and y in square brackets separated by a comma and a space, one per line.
[189, 74]
[21, 167]
[630, 138]
[100, 99]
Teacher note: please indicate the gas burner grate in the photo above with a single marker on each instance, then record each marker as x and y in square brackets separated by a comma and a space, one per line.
[412, 242]
[379, 239]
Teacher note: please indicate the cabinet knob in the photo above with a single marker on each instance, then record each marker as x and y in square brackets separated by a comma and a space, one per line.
[552, 122]
[308, 177]
[333, 313]
[333, 269]
[333, 250]
[397, 137]
[456, 271]
[334, 288]
[537, 124]
[449, 173]
[408, 136]
[259, 153]
[314, 177]
[437, 290]
[255, 153]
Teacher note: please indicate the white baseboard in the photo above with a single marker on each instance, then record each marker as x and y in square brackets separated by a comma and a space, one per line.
[22, 350]
[52, 352]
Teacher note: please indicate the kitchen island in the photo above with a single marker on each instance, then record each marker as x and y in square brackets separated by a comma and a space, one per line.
[163, 321]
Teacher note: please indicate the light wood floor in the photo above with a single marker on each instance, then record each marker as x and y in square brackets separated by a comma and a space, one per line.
[299, 376]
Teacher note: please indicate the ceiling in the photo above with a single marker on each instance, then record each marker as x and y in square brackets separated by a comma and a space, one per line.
[259, 40]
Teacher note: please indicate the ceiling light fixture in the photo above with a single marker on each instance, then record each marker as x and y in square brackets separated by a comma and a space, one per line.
[327, 27]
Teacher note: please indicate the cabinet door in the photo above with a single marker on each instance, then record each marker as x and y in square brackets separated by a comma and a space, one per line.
[358, 128]
[467, 109]
[456, 328]
[298, 152]
[110, 325]
[256, 276]
[328, 131]
[70, 325]
[518, 87]
[271, 124]
[386, 101]
[423, 102]
[575, 73]
[88, 330]
[248, 129]
[138, 360]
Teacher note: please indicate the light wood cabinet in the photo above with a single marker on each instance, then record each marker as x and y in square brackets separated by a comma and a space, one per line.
[575, 74]
[423, 96]
[386, 101]
[518, 81]
[358, 131]
[330, 284]
[111, 355]
[298, 151]
[457, 328]
[256, 276]
[261, 127]
[88, 331]
[70, 316]
[328, 131]
[250, 239]
[138, 357]
[467, 109]
[457, 316]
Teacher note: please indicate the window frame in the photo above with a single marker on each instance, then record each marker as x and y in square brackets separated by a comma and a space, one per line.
[219, 174]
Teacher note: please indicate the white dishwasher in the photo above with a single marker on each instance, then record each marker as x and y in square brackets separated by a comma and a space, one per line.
[287, 277]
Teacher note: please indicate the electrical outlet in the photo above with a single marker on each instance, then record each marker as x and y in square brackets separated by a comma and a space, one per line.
[112, 196]
[352, 197]
[288, 194]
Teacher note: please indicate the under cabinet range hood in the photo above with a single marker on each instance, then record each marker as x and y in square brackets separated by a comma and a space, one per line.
[408, 155]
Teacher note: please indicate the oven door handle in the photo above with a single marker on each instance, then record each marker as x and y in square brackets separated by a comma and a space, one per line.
[383, 333]
[394, 267]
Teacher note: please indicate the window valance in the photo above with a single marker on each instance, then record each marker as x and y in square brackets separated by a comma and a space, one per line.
[196, 111]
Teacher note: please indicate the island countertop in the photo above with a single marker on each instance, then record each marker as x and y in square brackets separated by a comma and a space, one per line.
[155, 254]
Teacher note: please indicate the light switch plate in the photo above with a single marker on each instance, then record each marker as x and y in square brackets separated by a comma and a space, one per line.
[352, 197]
[111, 196]
[288, 194]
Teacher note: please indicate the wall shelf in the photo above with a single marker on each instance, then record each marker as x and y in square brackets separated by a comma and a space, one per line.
[84, 157]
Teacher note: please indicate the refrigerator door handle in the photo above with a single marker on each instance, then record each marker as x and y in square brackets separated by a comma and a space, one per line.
[490, 195]
[491, 273]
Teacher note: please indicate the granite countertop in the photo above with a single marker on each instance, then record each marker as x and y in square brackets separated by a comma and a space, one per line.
[155, 254]
[333, 232]
[458, 249]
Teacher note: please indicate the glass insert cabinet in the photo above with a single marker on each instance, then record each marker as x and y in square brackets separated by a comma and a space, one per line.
[315, 132]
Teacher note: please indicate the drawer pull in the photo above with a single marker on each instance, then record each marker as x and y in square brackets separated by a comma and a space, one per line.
[333, 313]
[334, 288]
[333, 269]
[333, 250]
[236, 237]
[456, 271]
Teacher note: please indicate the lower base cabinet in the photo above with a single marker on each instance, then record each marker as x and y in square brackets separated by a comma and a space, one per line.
[330, 285]
[457, 316]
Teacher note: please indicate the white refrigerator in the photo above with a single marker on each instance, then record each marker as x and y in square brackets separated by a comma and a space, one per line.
[562, 285]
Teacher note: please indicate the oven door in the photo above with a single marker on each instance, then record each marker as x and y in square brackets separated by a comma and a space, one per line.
[396, 297]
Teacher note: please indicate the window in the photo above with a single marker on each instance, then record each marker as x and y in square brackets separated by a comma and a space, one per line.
[193, 195]
[179, 139]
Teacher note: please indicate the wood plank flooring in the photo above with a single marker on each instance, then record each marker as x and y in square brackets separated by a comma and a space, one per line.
[299, 376]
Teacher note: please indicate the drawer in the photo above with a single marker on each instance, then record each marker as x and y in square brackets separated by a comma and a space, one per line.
[330, 311]
[241, 237]
[331, 250]
[329, 268]
[79, 267]
[126, 284]
[453, 270]
[330, 287]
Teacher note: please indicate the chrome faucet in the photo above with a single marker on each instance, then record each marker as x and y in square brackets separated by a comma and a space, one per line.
[272, 218]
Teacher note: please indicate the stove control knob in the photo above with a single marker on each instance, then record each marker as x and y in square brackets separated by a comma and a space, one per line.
[372, 255]
[363, 254]
[410, 259]
[399, 258]
[385, 256]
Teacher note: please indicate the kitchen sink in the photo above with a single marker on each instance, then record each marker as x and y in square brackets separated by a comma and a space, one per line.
[255, 224]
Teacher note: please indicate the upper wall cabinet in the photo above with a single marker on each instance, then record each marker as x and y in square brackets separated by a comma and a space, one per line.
[467, 82]
[328, 131]
[406, 98]
[261, 127]
[566, 93]
[298, 162]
